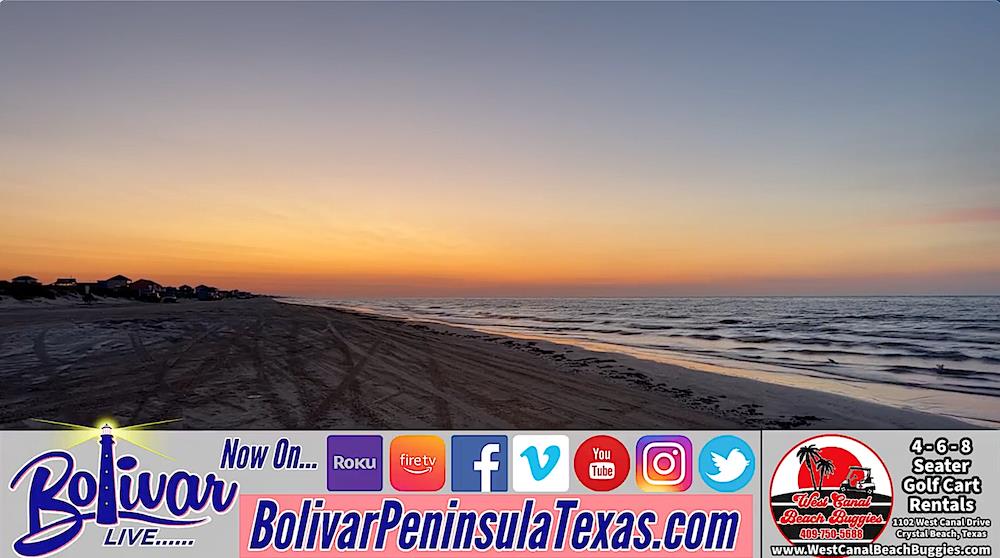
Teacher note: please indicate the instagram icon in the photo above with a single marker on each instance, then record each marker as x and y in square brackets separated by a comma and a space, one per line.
[663, 463]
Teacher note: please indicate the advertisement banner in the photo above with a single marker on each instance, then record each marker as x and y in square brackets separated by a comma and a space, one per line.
[144, 492]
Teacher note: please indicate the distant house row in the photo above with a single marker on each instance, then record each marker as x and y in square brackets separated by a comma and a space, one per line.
[122, 286]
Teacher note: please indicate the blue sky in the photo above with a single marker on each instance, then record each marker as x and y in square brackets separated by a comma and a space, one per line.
[597, 148]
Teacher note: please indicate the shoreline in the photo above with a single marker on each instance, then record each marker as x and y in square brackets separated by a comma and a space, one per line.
[657, 375]
[264, 364]
[979, 408]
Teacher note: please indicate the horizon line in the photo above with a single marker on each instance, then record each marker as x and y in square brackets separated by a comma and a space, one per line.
[483, 297]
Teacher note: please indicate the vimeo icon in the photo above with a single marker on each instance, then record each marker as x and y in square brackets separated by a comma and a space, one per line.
[540, 463]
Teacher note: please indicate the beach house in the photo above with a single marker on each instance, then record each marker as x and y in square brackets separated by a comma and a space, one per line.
[24, 280]
[67, 282]
[146, 288]
[117, 282]
[204, 292]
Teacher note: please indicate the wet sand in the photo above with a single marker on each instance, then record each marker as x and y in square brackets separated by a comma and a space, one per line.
[262, 364]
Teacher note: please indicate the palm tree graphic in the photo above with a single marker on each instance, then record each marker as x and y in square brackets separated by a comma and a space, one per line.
[825, 468]
[809, 456]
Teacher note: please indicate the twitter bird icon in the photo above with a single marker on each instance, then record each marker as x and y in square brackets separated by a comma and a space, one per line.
[726, 463]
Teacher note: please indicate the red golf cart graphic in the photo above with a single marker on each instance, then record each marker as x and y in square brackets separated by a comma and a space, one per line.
[831, 489]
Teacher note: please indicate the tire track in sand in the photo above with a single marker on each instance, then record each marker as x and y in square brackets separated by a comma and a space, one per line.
[280, 408]
[161, 368]
[41, 352]
[349, 383]
[442, 408]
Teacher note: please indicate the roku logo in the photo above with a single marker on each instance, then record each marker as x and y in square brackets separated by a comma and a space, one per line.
[352, 463]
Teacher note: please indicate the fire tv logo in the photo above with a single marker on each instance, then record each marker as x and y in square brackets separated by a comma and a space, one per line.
[417, 463]
[601, 463]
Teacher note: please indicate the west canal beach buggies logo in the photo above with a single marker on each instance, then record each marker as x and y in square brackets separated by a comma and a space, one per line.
[133, 506]
[831, 489]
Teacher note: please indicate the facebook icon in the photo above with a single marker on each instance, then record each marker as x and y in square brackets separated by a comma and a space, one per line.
[479, 463]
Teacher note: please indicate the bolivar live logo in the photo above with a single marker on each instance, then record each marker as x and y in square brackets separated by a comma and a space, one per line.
[831, 489]
[117, 494]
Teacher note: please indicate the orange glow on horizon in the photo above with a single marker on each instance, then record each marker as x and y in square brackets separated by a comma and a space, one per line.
[381, 149]
[263, 255]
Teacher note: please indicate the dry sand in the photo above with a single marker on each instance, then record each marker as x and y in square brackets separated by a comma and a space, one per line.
[261, 364]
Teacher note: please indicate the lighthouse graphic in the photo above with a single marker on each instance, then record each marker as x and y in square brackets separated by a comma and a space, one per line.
[107, 504]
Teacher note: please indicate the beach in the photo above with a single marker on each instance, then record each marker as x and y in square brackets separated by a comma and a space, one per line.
[936, 354]
[263, 364]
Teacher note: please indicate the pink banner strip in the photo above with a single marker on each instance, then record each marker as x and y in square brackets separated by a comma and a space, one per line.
[275, 525]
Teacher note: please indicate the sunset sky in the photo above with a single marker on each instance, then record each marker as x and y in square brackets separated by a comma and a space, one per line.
[358, 150]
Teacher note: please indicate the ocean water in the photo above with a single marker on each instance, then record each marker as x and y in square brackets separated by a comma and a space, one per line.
[940, 354]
